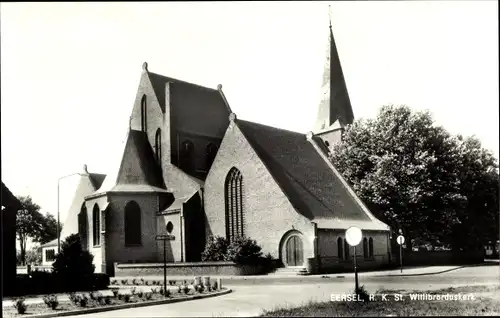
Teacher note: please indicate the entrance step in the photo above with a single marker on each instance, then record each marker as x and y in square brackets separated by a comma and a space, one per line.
[290, 271]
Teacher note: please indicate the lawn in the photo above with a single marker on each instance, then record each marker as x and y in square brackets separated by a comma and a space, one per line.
[97, 299]
[485, 302]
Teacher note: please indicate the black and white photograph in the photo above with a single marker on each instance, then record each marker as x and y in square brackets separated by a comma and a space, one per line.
[250, 159]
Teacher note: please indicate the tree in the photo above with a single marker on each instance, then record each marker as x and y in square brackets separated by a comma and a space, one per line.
[27, 223]
[48, 228]
[73, 265]
[31, 224]
[412, 174]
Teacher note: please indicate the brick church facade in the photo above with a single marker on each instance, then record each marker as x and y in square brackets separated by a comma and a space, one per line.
[191, 168]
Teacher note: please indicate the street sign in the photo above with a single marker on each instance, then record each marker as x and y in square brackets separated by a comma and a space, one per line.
[163, 237]
[353, 236]
[400, 240]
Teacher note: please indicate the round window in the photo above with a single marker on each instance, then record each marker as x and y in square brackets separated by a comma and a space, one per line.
[170, 227]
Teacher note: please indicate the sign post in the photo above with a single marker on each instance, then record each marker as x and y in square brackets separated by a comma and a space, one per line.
[401, 240]
[353, 237]
[165, 238]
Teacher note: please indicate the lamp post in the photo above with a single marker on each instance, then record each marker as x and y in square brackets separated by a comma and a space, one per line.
[353, 237]
[58, 212]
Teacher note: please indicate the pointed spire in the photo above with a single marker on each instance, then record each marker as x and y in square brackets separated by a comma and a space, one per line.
[335, 103]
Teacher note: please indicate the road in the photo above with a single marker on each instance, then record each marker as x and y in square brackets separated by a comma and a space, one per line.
[249, 300]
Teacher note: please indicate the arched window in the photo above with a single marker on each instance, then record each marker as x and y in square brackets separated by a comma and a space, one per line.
[144, 121]
[365, 248]
[158, 146]
[82, 225]
[370, 247]
[211, 153]
[234, 204]
[187, 155]
[346, 250]
[132, 224]
[340, 248]
[96, 225]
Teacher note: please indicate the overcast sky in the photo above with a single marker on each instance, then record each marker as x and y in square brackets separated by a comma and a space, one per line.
[70, 71]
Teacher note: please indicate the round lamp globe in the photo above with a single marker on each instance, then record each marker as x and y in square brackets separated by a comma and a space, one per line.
[353, 236]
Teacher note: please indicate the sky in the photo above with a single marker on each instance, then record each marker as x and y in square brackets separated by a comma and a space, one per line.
[70, 71]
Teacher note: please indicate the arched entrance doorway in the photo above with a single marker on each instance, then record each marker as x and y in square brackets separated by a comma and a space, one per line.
[294, 251]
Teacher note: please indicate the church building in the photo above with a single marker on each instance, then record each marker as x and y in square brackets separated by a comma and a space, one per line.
[191, 168]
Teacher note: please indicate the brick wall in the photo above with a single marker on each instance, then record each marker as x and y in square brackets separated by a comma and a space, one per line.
[332, 137]
[155, 117]
[328, 251]
[173, 248]
[268, 212]
[115, 233]
[186, 269]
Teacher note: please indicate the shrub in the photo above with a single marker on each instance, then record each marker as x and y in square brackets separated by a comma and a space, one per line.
[73, 297]
[124, 282]
[362, 294]
[185, 289]
[20, 306]
[147, 283]
[141, 281]
[115, 291]
[51, 301]
[148, 295]
[126, 298]
[245, 251]
[113, 281]
[133, 290]
[199, 288]
[107, 300]
[214, 285]
[215, 249]
[83, 301]
[154, 290]
[140, 294]
[73, 265]
[134, 281]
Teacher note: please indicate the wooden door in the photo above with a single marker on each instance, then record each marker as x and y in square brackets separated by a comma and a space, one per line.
[294, 251]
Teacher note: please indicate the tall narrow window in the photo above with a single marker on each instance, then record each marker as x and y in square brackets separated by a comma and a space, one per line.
[82, 225]
[144, 122]
[211, 153]
[132, 224]
[235, 216]
[340, 248]
[187, 155]
[365, 248]
[158, 146]
[96, 225]
[370, 247]
[346, 250]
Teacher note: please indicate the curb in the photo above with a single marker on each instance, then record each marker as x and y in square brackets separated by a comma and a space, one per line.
[128, 306]
[424, 274]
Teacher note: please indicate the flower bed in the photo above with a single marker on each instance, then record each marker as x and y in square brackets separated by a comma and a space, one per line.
[114, 297]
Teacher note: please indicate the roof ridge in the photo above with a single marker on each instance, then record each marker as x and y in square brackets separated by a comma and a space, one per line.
[168, 78]
[272, 127]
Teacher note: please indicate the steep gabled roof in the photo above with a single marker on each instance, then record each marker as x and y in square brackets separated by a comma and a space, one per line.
[310, 184]
[159, 82]
[137, 170]
[138, 165]
[97, 179]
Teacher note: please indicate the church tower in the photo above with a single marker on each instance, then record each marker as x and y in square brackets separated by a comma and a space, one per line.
[335, 110]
